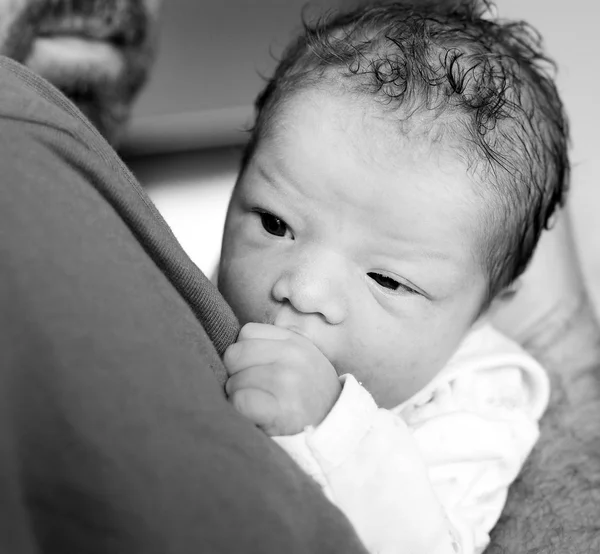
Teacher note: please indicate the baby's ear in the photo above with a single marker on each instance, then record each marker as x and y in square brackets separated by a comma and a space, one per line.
[508, 293]
[504, 296]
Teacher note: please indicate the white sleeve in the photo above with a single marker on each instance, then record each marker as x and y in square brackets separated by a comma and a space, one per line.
[369, 465]
[475, 438]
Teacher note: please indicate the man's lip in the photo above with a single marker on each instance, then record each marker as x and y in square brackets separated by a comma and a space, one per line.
[70, 60]
[122, 22]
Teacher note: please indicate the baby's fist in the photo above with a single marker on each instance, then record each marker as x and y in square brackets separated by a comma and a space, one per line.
[279, 379]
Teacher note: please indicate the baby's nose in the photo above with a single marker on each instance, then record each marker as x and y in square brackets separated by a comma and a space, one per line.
[314, 287]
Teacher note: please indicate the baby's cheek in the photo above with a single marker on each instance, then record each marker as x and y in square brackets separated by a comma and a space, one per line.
[388, 365]
[248, 301]
[357, 357]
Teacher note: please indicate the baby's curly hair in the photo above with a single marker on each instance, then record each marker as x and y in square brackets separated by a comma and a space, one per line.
[483, 83]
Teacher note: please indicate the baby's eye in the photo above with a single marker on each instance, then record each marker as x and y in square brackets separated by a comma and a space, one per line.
[389, 283]
[273, 225]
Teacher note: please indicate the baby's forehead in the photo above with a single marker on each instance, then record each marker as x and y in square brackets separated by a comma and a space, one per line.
[356, 111]
[432, 136]
[335, 133]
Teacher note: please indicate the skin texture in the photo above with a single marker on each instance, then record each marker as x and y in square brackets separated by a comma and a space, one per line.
[98, 52]
[387, 298]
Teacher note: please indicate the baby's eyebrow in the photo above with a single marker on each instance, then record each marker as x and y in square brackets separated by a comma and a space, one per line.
[415, 253]
[280, 179]
[267, 177]
[437, 255]
[263, 173]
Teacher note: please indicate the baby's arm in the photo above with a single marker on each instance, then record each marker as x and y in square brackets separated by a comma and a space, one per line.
[405, 490]
[439, 486]
[366, 456]
[369, 465]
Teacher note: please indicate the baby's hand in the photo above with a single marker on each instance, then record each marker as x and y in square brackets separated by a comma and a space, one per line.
[279, 379]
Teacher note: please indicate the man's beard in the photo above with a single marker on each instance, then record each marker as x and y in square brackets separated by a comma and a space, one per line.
[98, 52]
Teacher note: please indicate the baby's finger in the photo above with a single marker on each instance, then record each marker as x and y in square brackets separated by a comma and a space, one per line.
[257, 405]
[263, 331]
[255, 377]
[251, 352]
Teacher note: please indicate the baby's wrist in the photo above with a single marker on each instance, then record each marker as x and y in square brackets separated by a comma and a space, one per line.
[333, 397]
[311, 414]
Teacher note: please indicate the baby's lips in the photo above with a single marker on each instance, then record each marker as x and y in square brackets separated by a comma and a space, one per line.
[306, 333]
[296, 329]
[284, 322]
[307, 328]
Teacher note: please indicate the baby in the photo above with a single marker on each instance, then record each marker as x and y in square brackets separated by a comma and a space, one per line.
[404, 161]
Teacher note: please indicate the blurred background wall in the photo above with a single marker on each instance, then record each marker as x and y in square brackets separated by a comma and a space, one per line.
[184, 140]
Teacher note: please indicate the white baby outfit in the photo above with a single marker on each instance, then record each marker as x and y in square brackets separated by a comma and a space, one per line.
[431, 475]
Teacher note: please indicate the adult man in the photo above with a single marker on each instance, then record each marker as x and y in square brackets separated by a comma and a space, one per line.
[115, 435]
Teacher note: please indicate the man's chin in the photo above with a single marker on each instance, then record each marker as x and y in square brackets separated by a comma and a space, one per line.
[100, 78]
[97, 52]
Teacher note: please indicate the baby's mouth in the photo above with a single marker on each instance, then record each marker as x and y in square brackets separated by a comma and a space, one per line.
[286, 320]
[311, 334]
[299, 331]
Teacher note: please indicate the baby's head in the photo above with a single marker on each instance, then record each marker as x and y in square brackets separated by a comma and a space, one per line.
[403, 164]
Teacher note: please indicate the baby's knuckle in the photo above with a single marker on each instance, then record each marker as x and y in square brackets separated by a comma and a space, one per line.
[241, 401]
[231, 355]
[229, 388]
[248, 331]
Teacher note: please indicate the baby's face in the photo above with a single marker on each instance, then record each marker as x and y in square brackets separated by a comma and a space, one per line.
[361, 240]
